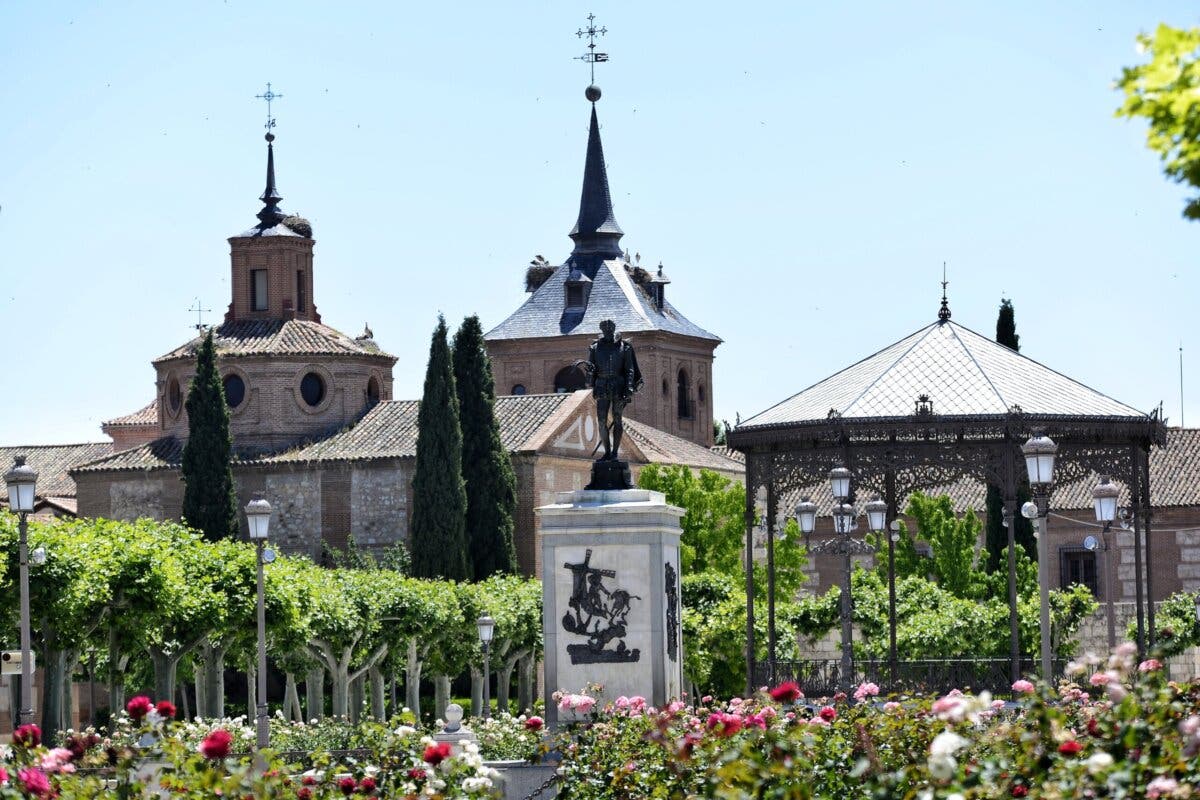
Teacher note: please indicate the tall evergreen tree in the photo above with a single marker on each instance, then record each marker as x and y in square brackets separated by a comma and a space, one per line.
[997, 534]
[209, 501]
[439, 539]
[486, 467]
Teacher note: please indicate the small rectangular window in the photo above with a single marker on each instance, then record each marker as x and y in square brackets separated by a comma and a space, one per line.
[258, 290]
[300, 300]
[574, 295]
[1077, 565]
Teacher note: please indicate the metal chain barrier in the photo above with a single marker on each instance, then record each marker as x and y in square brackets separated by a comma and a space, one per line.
[546, 784]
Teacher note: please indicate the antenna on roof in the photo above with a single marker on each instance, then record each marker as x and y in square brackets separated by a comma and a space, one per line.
[1181, 383]
[199, 312]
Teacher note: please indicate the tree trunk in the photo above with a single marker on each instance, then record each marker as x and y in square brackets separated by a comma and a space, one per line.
[201, 700]
[341, 693]
[356, 699]
[441, 695]
[392, 689]
[53, 680]
[412, 680]
[251, 694]
[183, 701]
[476, 692]
[504, 684]
[214, 679]
[525, 684]
[378, 695]
[314, 693]
[71, 664]
[291, 697]
[164, 673]
[296, 712]
[116, 678]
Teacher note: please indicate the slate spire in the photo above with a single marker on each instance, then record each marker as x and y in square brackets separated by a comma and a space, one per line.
[596, 232]
[271, 214]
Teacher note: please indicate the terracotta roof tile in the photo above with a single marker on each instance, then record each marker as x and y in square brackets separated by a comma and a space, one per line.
[148, 415]
[53, 462]
[279, 337]
[662, 447]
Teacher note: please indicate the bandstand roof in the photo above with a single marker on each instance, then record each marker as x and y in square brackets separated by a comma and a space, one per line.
[961, 372]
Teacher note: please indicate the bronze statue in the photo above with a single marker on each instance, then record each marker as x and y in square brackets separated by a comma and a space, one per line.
[614, 376]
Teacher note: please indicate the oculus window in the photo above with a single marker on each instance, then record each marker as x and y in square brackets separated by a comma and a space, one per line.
[312, 389]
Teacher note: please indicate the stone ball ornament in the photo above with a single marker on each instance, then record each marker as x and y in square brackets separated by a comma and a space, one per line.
[592, 93]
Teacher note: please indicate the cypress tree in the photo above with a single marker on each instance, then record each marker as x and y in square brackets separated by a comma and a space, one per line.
[209, 501]
[486, 467]
[439, 539]
[997, 534]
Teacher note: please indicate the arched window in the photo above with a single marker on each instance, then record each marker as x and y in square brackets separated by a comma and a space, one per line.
[682, 392]
[700, 394]
[569, 379]
[372, 392]
[518, 388]
[666, 388]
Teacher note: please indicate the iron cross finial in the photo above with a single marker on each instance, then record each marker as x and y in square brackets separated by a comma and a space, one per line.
[269, 96]
[199, 311]
[591, 57]
[944, 311]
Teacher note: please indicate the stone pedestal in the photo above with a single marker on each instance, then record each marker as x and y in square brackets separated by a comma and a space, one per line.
[610, 596]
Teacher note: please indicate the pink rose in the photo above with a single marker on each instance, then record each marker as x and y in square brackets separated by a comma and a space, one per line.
[828, 713]
[1149, 665]
[1022, 687]
[1100, 679]
[35, 781]
[865, 690]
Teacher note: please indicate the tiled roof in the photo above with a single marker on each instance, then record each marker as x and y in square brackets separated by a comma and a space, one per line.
[962, 372]
[52, 462]
[728, 452]
[279, 337]
[1174, 482]
[147, 415]
[387, 431]
[662, 447]
[614, 296]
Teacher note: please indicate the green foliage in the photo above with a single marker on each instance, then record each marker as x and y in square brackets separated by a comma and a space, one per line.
[1177, 623]
[395, 558]
[952, 539]
[209, 501]
[487, 469]
[439, 536]
[1166, 93]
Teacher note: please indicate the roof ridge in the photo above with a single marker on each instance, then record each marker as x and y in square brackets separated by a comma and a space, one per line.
[48, 446]
[975, 361]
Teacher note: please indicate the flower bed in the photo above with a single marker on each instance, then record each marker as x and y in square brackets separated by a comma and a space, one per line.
[1115, 730]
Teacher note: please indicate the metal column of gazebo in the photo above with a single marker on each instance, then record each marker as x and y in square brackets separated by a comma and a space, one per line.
[939, 406]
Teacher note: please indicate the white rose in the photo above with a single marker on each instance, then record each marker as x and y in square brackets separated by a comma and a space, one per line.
[942, 768]
[947, 743]
[1099, 762]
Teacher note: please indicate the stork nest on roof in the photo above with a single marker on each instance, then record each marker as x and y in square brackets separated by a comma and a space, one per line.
[299, 224]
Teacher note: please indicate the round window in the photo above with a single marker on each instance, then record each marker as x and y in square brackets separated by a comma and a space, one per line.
[174, 395]
[235, 390]
[312, 389]
[518, 389]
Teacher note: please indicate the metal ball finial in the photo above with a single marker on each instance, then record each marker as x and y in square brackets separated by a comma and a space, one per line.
[592, 93]
[270, 137]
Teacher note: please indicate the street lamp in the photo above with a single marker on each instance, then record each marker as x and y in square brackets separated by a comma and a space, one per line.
[806, 515]
[1039, 452]
[839, 481]
[22, 489]
[258, 520]
[877, 521]
[1105, 497]
[487, 627]
[843, 524]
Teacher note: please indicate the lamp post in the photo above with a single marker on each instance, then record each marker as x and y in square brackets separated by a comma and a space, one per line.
[258, 520]
[877, 510]
[1039, 452]
[1105, 497]
[22, 484]
[487, 627]
[844, 525]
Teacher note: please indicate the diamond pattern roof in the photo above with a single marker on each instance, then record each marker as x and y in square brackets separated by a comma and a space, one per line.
[279, 337]
[614, 296]
[962, 372]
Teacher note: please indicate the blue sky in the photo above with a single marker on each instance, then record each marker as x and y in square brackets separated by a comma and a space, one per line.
[802, 170]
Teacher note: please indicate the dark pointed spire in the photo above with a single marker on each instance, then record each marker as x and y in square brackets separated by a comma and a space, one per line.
[944, 311]
[596, 232]
[271, 214]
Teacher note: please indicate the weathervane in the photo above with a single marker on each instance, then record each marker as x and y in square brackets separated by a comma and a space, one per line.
[944, 311]
[591, 57]
[199, 311]
[268, 95]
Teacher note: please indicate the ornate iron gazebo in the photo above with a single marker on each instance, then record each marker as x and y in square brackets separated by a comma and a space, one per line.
[938, 406]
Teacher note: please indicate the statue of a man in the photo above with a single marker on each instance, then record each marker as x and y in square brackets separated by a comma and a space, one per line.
[614, 376]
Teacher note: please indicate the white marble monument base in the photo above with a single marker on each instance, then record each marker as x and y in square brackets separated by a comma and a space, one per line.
[610, 596]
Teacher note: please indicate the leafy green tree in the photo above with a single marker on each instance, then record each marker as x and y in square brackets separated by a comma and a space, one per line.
[996, 533]
[1178, 624]
[209, 501]
[486, 467]
[439, 538]
[953, 541]
[1166, 93]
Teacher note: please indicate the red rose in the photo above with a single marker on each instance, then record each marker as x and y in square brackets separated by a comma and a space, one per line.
[1020, 790]
[304, 793]
[786, 692]
[1093, 727]
[216, 745]
[367, 785]
[724, 724]
[416, 774]
[1070, 747]
[166, 709]
[347, 785]
[839, 697]
[309, 780]
[828, 713]
[436, 753]
[28, 735]
[35, 782]
[534, 724]
[138, 707]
